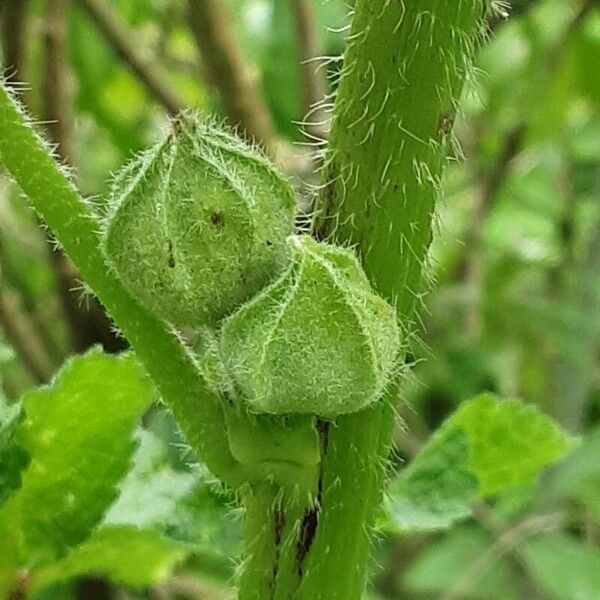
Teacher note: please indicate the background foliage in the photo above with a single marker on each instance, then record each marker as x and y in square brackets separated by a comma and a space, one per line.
[515, 310]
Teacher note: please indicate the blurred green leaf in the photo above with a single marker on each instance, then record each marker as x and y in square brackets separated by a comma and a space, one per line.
[565, 568]
[13, 458]
[183, 505]
[487, 446]
[459, 563]
[151, 491]
[78, 434]
[578, 476]
[587, 56]
[126, 555]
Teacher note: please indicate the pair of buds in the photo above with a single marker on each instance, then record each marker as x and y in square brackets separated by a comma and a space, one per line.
[200, 231]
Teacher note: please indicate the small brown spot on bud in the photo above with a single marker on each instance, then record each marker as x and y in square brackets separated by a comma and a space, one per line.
[217, 219]
[445, 125]
[171, 258]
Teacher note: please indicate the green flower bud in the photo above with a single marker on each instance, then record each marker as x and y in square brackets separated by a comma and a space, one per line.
[317, 341]
[198, 224]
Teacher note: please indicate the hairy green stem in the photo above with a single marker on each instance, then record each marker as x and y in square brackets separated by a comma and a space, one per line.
[197, 410]
[403, 71]
[273, 550]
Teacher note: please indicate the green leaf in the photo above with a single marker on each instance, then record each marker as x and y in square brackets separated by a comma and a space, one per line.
[578, 476]
[565, 568]
[127, 556]
[510, 442]
[180, 504]
[152, 491]
[487, 446]
[437, 489]
[78, 433]
[458, 563]
[13, 458]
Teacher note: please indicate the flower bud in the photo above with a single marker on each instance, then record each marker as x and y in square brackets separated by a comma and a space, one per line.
[197, 225]
[317, 341]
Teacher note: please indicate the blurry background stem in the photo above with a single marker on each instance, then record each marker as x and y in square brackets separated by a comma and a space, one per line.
[236, 81]
[131, 51]
[490, 182]
[22, 333]
[14, 19]
[87, 322]
[310, 54]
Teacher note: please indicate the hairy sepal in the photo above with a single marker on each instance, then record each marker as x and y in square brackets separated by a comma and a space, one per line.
[197, 225]
[318, 341]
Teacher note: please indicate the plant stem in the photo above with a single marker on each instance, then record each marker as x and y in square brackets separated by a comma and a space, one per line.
[21, 333]
[197, 411]
[403, 71]
[273, 524]
[123, 42]
[491, 182]
[314, 75]
[86, 325]
[233, 77]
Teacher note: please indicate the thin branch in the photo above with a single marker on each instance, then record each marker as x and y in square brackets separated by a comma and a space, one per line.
[14, 34]
[192, 588]
[56, 97]
[13, 278]
[236, 81]
[87, 326]
[22, 335]
[492, 181]
[14, 18]
[584, 9]
[485, 194]
[124, 43]
[506, 542]
[576, 22]
[313, 75]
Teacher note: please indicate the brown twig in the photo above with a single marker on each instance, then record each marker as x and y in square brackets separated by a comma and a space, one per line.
[14, 15]
[86, 326]
[14, 279]
[484, 197]
[235, 80]
[193, 588]
[55, 87]
[492, 181]
[507, 541]
[22, 335]
[124, 43]
[27, 332]
[314, 77]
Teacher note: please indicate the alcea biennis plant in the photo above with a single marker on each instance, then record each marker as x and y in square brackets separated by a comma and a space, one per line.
[138, 255]
[195, 235]
[197, 226]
